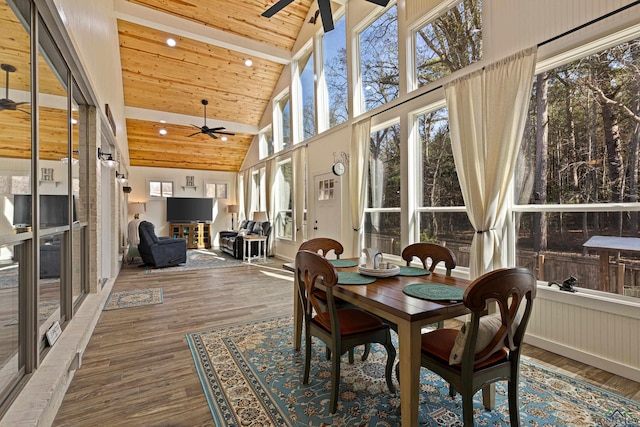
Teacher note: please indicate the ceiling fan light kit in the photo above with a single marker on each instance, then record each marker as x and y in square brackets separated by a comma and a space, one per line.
[6, 103]
[324, 7]
[209, 131]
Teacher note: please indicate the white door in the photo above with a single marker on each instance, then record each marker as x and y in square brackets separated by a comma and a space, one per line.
[327, 218]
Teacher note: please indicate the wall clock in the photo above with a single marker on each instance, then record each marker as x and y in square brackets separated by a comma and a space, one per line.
[338, 168]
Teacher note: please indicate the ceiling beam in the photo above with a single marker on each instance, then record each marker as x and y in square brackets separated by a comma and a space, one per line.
[141, 15]
[185, 120]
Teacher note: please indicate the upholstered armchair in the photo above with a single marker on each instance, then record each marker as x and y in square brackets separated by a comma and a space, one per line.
[160, 252]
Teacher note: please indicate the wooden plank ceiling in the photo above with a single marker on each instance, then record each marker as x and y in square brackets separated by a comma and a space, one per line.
[161, 79]
[158, 80]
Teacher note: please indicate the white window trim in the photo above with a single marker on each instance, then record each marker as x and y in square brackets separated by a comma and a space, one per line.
[161, 181]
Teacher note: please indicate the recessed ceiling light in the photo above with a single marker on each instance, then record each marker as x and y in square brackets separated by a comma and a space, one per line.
[248, 62]
[163, 131]
[163, 121]
[171, 42]
[224, 138]
[74, 122]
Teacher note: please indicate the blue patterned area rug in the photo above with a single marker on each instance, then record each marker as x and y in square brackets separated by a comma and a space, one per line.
[133, 298]
[252, 377]
[199, 259]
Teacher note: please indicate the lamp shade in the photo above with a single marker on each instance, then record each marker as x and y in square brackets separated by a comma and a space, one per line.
[137, 208]
[260, 216]
[232, 209]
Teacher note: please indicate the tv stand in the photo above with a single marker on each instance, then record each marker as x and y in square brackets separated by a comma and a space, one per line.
[198, 234]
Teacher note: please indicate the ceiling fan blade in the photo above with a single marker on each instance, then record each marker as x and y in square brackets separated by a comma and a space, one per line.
[276, 8]
[382, 3]
[224, 133]
[212, 136]
[326, 15]
[217, 129]
[195, 133]
[195, 126]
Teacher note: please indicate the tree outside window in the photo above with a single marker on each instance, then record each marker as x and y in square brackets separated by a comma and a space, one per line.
[449, 43]
[382, 229]
[440, 186]
[379, 66]
[580, 149]
[334, 57]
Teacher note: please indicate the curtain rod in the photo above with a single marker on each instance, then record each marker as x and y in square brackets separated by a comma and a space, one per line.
[566, 33]
[593, 21]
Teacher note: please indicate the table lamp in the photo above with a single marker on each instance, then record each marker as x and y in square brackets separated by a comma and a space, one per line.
[232, 209]
[137, 208]
[260, 216]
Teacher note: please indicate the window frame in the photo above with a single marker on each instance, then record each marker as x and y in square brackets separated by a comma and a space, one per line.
[161, 182]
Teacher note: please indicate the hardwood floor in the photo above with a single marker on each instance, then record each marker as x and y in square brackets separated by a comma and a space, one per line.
[138, 371]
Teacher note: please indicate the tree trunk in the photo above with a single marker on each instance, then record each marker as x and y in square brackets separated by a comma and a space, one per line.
[633, 150]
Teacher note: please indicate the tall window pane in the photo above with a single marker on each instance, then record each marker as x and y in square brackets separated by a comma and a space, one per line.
[384, 188]
[440, 188]
[379, 60]
[284, 201]
[282, 122]
[440, 185]
[307, 89]
[334, 50]
[450, 42]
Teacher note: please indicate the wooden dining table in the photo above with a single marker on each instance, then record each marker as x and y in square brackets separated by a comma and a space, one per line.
[385, 298]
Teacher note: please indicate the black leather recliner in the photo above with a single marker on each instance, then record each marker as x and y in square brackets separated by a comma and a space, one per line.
[160, 252]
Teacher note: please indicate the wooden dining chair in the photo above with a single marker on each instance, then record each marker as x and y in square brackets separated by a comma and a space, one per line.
[341, 329]
[430, 251]
[486, 349]
[324, 245]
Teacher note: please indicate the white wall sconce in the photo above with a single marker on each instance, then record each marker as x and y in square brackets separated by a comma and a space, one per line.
[107, 159]
[122, 179]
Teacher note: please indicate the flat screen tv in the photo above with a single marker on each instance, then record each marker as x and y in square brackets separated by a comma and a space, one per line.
[189, 209]
[54, 210]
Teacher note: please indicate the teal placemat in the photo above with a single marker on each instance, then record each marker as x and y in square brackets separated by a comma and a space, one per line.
[434, 292]
[412, 271]
[349, 278]
[343, 263]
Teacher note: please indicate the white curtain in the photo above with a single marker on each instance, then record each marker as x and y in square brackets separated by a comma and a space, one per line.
[270, 178]
[487, 114]
[358, 161]
[246, 185]
[299, 159]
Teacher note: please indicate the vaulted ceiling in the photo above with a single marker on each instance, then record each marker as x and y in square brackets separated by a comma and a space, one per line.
[162, 83]
[213, 39]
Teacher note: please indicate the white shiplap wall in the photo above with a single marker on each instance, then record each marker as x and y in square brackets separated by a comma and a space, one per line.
[588, 327]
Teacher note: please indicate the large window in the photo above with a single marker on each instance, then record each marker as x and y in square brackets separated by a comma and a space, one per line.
[379, 68]
[449, 43]
[441, 214]
[382, 218]
[334, 59]
[578, 171]
[284, 200]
